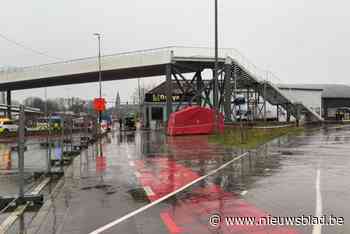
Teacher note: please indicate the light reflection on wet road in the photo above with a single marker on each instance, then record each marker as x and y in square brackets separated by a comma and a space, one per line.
[278, 179]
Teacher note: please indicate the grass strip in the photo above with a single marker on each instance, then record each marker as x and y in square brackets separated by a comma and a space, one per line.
[250, 138]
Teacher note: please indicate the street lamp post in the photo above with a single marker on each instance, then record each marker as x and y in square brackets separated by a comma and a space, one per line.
[216, 67]
[98, 35]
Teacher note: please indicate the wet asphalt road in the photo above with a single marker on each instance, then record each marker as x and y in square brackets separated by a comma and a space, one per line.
[278, 179]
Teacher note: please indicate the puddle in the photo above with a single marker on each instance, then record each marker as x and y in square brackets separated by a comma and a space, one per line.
[287, 152]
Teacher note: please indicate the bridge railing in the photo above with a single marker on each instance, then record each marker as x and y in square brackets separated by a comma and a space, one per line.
[128, 59]
[89, 64]
[235, 55]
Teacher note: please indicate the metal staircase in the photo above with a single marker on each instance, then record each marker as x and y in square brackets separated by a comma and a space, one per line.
[274, 94]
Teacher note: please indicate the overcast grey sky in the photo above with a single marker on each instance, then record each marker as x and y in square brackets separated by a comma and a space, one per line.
[299, 40]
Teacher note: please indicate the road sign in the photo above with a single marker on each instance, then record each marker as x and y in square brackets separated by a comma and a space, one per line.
[100, 104]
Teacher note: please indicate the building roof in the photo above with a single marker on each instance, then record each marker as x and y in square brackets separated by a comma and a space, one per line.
[329, 90]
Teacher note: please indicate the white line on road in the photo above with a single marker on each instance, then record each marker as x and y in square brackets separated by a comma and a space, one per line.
[317, 229]
[135, 212]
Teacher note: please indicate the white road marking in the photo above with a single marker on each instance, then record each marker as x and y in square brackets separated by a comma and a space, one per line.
[317, 229]
[244, 192]
[131, 163]
[135, 212]
[148, 191]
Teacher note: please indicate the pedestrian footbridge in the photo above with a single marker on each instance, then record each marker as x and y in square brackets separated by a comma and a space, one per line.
[171, 62]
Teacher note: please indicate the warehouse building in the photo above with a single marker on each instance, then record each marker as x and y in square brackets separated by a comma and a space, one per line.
[331, 100]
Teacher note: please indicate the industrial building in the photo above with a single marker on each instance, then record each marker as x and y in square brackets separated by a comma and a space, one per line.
[329, 100]
[324, 99]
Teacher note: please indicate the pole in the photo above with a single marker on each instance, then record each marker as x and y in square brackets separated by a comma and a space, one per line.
[71, 133]
[49, 145]
[215, 92]
[215, 81]
[99, 74]
[235, 90]
[228, 90]
[9, 103]
[99, 77]
[140, 98]
[21, 152]
[48, 142]
[169, 91]
[265, 101]
[62, 143]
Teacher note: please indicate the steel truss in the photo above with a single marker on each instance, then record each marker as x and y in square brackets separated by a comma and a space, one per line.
[232, 80]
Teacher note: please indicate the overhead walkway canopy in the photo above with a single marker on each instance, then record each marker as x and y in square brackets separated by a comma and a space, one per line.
[147, 63]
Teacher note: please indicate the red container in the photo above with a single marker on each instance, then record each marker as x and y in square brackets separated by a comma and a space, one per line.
[193, 120]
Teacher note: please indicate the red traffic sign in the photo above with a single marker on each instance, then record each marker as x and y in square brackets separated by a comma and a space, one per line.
[100, 104]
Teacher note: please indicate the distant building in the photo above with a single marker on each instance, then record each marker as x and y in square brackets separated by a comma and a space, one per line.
[327, 99]
[154, 106]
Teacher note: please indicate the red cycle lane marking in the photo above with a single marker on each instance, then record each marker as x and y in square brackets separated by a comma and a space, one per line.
[190, 215]
[169, 222]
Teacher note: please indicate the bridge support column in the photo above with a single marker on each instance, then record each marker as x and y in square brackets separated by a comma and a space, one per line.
[169, 90]
[228, 90]
[265, 101]
[235, 77]
[288, 113]
[298, 115]
[199, 87]
[8, 103]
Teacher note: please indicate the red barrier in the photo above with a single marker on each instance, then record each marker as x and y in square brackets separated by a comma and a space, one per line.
[194, 120]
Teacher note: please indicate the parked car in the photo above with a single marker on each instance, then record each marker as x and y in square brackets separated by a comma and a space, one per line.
[7, 126]
[56, 123]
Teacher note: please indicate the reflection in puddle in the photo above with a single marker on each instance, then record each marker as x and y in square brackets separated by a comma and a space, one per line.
[139, 195]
